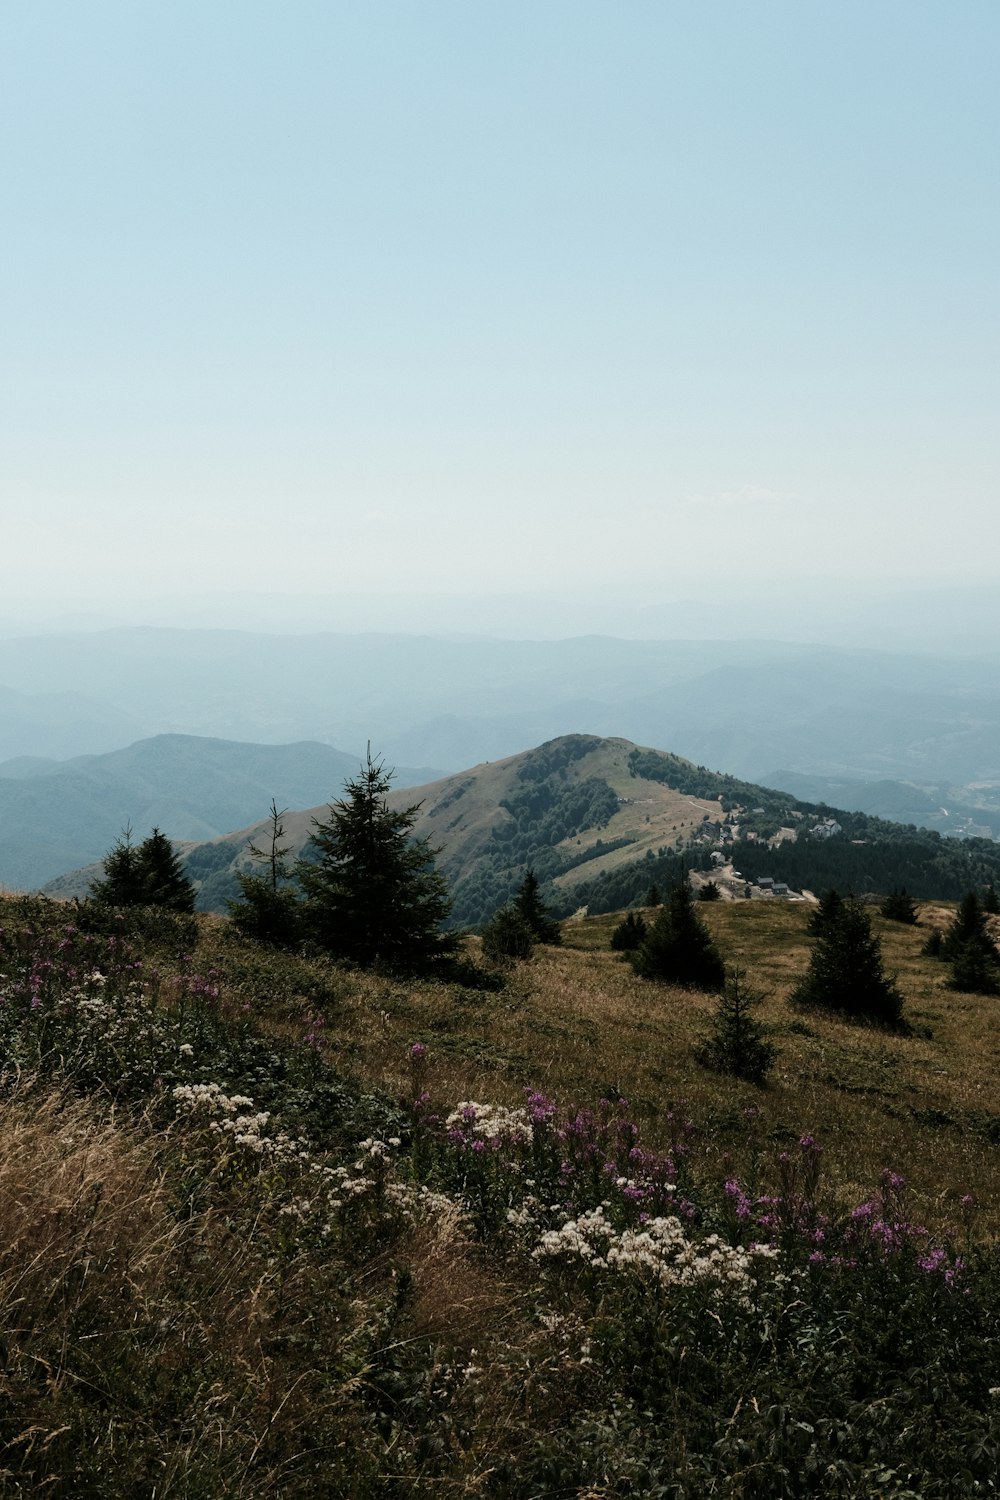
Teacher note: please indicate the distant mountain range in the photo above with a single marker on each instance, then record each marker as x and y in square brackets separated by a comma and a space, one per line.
[57, 816]
[857, 715]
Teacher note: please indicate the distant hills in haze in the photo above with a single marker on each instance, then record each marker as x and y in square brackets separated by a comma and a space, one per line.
[750, 706]
[102, 728]
[56, 817]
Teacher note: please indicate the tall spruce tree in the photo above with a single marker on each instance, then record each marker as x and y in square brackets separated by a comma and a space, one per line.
[967, 945]
[678, 947]
[846, 971]
[372, 894]
[529, 903]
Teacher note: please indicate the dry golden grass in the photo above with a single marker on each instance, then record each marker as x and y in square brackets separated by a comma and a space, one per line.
[136, 1329]
[577, 1022]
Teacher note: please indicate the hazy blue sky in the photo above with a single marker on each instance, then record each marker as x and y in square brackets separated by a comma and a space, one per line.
[466, 297]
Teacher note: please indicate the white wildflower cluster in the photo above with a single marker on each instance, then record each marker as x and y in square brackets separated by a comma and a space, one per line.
[323, 1191]
[239, 1121]
[658, 1249]
[420, 1202]
[334, 1189]
[525, 1217]
[490, 1121]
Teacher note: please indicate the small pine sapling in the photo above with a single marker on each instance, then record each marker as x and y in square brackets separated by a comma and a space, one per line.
[529, 903]
[738, 1044]
[270, 909]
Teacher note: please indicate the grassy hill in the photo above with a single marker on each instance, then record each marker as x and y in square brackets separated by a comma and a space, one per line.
[600, 820]
[274, 1226]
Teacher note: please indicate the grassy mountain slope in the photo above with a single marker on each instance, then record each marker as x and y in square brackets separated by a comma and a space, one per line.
[599, 820]
[256, 1239]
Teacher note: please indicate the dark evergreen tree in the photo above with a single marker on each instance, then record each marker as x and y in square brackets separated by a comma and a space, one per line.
[709, 892]
[991, 901]
[653, 896]
[846, 972]
[968, 947]
[163, 875]
[147, 874]
[529, 903]
[899, 906]
[738, 1044]
[975, 969]
[122, 882]
[967, 926]
[507, 936]
[269, 909]
[831, 905]
[678, 947]
[629, 933]
[372, 893]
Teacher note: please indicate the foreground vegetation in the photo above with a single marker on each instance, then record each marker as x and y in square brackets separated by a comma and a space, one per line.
[277, 1226]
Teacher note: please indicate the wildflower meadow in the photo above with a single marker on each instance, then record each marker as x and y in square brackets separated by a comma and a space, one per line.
[241, 1259]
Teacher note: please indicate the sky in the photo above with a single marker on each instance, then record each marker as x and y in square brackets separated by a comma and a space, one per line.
[445, 301]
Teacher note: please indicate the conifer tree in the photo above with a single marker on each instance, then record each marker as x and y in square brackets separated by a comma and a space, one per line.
[738, 1044]
[163, 875]
[529, 903]
[967, 945]
[372, 893]
[122, 881]
[629, 933]
[147, 874]
[899, 906]
[831, 905]
[846, 972]
[269, 908]
[507, 936]
[678, 947]
[967, 926]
